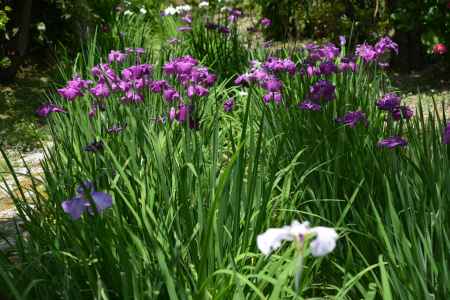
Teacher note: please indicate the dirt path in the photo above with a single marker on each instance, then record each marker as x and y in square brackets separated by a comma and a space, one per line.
[8, 212]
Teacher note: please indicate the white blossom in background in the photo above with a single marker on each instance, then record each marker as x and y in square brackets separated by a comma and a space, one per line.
[143, 11]
[171, 11]
[41, 26]
[203, 4]
[184, 8]
[324, 238]
[128, 13]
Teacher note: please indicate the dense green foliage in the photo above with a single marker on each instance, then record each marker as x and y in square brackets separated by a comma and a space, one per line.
[189, 200]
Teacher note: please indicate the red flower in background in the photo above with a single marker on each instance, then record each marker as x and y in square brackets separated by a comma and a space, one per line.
[439, 49]
[448, 5]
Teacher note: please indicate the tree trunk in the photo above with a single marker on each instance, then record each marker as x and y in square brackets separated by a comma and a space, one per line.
[24, 27]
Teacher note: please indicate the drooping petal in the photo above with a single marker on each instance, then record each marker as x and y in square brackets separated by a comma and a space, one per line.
[325, 241]
[272, 238]
[102, 200]
[74, 207]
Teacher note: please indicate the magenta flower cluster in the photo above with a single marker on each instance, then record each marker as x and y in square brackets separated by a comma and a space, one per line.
[320, 93]
[266, 75]
[352, 118]
[193, 78]
[132, 82]
[74, 88]
[391, 102]
[369, 53]
[325, 60]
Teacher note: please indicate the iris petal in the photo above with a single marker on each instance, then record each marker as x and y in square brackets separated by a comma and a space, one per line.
[74, 207]
[102, 200]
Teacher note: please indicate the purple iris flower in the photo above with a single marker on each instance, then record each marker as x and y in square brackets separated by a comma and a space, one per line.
[352, 118]
[311, 71]
[93, 111]
[211, 26]
[104, 72]
[170, 94]
[392, 142]
[124, 86]
[389, 102]
[184, 67]
[402, 112]
[273, 85]
[172, 113]
[70, 92]
[386, 44]
[173, 41]
[327, 68]
[184, 28]
[228, 105]
[48, 108]
[260, 75]
[137, 51]
[179, 114]
[223, 29]
[342, 40]
[101, 90]
[347, 64]
[366, 52]
[187, 19]
[86, 195]
[274, 64]
[265, 22]
[197, 90]
[116, 56]
[329, 51]
[446, 134]
[234, 15]
[275, 96]
[322, 90]
[78, 83]
[194, 123]
[94, 147]
[210, 79]
[309, 105]
[115, 129]
[158, 86]
[244, 79]
[140, 83]
[132, 97]
[182, 113]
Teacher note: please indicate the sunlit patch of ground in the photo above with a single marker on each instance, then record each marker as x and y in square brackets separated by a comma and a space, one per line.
[429, 86]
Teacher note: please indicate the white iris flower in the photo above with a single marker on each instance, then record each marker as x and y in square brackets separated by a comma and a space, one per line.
[324, 238]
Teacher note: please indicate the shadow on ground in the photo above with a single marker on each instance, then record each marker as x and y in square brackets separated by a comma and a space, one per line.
[20, 128]
[434, 79]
